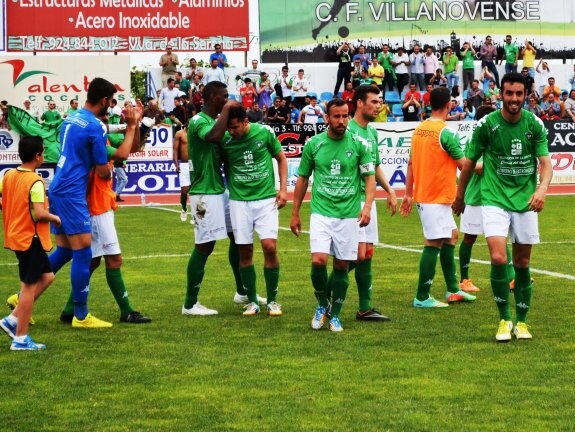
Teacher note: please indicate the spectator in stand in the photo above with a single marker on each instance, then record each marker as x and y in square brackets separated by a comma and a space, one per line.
[385, 58]
[400, 64]
[510, 55]
[543, 74]
[28, 108]
[167, 96]
[551, 88]
[475, 96]
[311, 113]
[376, 73]
[183, 84]
[534, 107]
[300, 87]
[345, 66]
[411, 109]
[294, 112]
[562, 100]
[450, 66]
[255, 114]
[194, 70]
[551, 108]
[430, 64]
[425, 104]
[248, 93]
[347, 97]
[438, 79]
[73, 108]
[529, 81]
[528, 53]
[286, 84]
[363, 57]
[417, 67]
[456, 95]
[188, 106]
[468, 57]
[254, 73]
[468, 112]
[356, 73]
[220, 57]
[365, 78]
[154, 112]
[196, 83]
[264, 89]
[412, 92]
[169, 63]
[572, 79]
[384, 112]
[214, 73]
[180, 111]
[4, 116]
[570, 106]
[494, 94]
[198, 99]
[455, 111]
[277, 114]
[488, 53]
[486, 77]
[52, 116]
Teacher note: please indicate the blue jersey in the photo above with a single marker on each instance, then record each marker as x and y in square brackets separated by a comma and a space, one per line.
[82, 146]
[221, 58]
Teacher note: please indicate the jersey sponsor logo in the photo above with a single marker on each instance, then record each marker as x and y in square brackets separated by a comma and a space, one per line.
[248, 158]
[516, 147]
[335, 168]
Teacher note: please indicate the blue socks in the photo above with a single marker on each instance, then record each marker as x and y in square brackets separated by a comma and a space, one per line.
[80, 276]
[59, 257]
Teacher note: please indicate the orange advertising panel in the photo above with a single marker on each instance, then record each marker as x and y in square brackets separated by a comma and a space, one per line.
[126, 25]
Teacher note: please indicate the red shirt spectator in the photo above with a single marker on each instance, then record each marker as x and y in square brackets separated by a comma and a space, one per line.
[347, 96]
[413, 91]
[248, 93]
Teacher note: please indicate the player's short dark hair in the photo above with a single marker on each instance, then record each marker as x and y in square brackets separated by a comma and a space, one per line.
[170, 80]
[99, 89]
[361, 93]
[212, 88]
[483, 110]
[439, 97]
[335, 102]
[512, 78]
[29, 147]
[237, 112]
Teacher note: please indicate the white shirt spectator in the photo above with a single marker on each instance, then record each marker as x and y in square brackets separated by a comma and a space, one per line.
[312, 113]
[401, 68]
[166, 98]
[300, 85]
[212, 74]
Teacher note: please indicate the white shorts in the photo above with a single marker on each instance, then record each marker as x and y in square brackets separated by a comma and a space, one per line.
[211, 215]
[437, 221]
[523, 228]
[334, 236]
[370, 234]
[104, 236]
[260, 215]
[184, 175]
[471, 220]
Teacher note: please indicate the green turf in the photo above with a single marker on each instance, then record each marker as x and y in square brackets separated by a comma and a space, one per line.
[427, 370]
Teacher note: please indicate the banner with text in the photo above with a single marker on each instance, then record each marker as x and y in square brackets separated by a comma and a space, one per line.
[127, 25]
[311, 30]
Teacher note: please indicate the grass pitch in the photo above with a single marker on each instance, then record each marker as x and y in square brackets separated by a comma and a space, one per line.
[427, 370]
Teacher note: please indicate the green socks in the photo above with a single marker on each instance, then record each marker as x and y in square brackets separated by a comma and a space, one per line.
[69, 308]
[500, 287]
[234, 260]
[427, 264]
[522, 293]
[116, 284]
[196, 266]
[340, 282]
[363, 279]
[464, 260]
[510, 268]
[248, 276]
[319, 282]
[272, 276]
[447, 259]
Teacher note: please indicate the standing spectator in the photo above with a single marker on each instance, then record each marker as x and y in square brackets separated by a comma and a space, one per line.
[572, 79]
[169, 62]
[417, 67]
[363, 57]
[195, 85]
[198, 99]
[377, 73]
[312, 113]
[475, 96]
[488, 53]
[385, 58]
[425, 104]
[167, 96]
[486, 77]
[510, 55]
[214, 73]
[4, 116]
[248, 93]
[534, 107]
[154, 112]
[430, 64]
[468, 57]
[456, 95]
[183, 84]
[356, 73]
[347, 97]
[264, 89]
[294, 112]
[220, 57]
[543, 72]
[344, 55]
[384, 112]
[411, 109]
[255, 114]
[254, 73]
[450, 63]
[194, 70]
[438, 79]
[28, 109]
[73, 108]
[286, 83]
[179, 110]
[400, 64]
[570, 106]
[493, 94]
[300, 86]
[52, 116]
[529, 52]
[529, 82]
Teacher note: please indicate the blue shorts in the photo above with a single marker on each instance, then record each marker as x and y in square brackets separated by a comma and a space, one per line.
[74, 215]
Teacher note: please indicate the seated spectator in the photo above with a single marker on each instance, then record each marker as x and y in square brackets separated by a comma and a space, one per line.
[198, 98]
[179, 111]
[356, 73]
[456, 95]
[455, 112]
[534, 107]
[411, 109]
[551, 108]
[154, 112]
[468, 112]
[347, 97]
[570, 106]
[294, 113]
[486, 77]
[277, 114]
[412, 92]
[248, 93]
[383, 112]
[475, 95]
[562, 99]
[493, 93]
[264, 89]
[551, 88]
[284, 106]
[376, 73]
[255, 114]
[311, 113]
[438, 79]
[365, 78]
[529, 81]
[572, 79]
[426, 95]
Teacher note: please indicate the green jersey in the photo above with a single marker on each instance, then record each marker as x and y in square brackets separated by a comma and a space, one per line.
[511, 52]
[468, 60]
[510, 152]
[337, 167]
[249, 165]
[205, 158]
[385, 60]
[51, 116]
[368, 136]
[450, 63]
[473, 191]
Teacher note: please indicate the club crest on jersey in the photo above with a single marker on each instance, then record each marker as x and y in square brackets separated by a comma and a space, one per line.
[349, 153]
[259, 144]
[528, 135]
